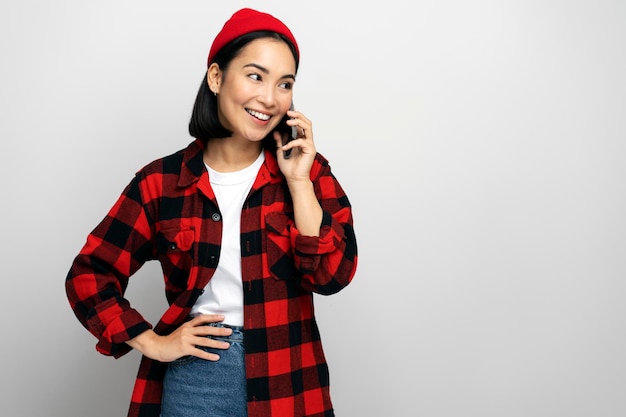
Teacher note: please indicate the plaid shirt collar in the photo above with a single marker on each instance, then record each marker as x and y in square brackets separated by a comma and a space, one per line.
[193, 169]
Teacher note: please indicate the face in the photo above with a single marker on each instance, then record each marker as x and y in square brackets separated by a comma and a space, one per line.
[255, 92]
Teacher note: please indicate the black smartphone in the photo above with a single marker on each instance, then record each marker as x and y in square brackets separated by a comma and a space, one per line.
[287, 132]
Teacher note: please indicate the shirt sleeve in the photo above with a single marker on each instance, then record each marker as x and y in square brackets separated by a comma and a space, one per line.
[97, 280]
[328, 261]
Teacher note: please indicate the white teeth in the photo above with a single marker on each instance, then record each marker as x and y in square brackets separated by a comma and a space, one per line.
[258, 115]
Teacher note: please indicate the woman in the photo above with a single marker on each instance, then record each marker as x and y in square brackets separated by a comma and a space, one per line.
[245, 234]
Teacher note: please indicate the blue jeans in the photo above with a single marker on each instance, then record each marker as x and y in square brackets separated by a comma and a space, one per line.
[195, 387]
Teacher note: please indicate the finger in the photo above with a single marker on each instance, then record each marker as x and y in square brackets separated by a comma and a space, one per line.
[201, 319]
[279, 139]
[200, 327]
[300, 146]
[299, 124]
[209, 342]
[209, 356]
[296, 115]
[204, 331]
[304, 131]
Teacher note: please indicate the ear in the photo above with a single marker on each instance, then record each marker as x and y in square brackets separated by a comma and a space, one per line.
[214, 78]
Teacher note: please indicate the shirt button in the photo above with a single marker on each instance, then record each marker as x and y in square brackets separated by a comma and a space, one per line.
[172, 246]
[216, 217]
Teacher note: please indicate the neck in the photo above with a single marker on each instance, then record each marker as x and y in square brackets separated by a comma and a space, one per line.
[226, 155]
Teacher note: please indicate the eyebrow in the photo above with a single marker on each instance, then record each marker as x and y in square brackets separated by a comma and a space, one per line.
[266, 71]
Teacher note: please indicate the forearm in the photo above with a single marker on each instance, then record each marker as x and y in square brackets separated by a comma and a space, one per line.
[306, 208]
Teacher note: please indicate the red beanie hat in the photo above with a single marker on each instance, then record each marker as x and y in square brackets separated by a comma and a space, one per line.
[246, 21]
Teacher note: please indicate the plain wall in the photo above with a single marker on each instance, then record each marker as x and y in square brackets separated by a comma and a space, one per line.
[481, 143]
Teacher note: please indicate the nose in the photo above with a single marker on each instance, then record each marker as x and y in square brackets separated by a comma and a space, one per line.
[267, 95]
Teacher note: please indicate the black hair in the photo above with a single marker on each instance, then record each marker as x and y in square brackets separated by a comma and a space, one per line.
[204, 123]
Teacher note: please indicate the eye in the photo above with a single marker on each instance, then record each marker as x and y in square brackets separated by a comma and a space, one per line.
[255, 76]
[288, 85]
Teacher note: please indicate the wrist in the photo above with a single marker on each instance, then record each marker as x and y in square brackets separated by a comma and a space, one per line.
[143, 342]
[303, 184]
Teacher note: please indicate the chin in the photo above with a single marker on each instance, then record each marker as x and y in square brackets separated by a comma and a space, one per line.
[256, 138]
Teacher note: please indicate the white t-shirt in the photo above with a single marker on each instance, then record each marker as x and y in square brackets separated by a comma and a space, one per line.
[224, 292]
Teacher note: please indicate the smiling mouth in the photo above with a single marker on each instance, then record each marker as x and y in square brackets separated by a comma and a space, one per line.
[258, 115]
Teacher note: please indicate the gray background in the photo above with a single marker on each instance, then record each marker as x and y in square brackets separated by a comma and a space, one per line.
[481, 144]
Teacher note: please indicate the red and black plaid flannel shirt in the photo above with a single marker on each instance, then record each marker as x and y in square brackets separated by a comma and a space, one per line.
[169, 213]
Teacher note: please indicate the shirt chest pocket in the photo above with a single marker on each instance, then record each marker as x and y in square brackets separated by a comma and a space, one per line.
[278, 246]
[175, 253]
